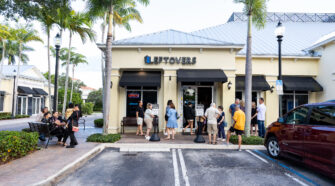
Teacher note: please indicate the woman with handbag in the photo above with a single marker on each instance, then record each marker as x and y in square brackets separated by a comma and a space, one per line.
[221, 124]
[72, 127]
[172, 121]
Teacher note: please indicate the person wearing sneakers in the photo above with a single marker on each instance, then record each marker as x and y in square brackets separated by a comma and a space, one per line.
[148, 119]
[221, 124]
[238, 126]
[212, 114]
[139, 118]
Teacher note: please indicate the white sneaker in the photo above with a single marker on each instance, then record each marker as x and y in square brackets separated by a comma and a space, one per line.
[223, 140]
[239, 150]
[147, 138]
[165, 134]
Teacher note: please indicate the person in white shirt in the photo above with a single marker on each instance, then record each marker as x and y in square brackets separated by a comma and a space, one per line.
[148, 119]
[212, 114]
[261, 109]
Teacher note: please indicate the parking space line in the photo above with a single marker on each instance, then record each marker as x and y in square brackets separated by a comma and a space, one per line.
[260, 158]
[286, 167]
[175, 168]
[183, 167]
[295, 179]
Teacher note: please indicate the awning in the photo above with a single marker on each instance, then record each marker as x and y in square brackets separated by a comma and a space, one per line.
[201, 76]
[25, 90]
[132, 78]
[39, 91]
[2, 93]
[258, 83]
[296, 83]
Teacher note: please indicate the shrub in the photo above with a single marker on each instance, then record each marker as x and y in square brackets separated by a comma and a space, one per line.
[99, 123]
[87, 108]
[15, 144]
[7, 115]
[26, 130]
[252, 140]
[109, 138]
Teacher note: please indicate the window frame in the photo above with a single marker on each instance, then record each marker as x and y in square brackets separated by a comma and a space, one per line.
[141, 90]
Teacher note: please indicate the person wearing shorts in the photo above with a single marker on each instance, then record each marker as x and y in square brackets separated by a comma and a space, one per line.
[212, 114]
[238, 127]
[148, 119]
[189, 116]
[139, 118]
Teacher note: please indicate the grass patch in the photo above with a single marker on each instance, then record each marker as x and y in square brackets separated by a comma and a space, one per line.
[252, 140]
[99, 123]
[100, 138]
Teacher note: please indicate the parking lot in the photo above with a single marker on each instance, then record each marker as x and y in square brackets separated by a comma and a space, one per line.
[192, 167]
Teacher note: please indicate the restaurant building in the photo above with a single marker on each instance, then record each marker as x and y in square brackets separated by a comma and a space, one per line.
[208, 66]
[32, 90]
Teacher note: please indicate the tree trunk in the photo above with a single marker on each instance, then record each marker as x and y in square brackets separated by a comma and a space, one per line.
[103, 28]
[49, 71]
[114, 30]
[2, 59]
[108, 69]
[67, 77]
[248, 79]
[17, 80]
[72, 83]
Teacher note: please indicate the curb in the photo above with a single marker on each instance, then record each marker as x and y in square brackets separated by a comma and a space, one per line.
[52, 180]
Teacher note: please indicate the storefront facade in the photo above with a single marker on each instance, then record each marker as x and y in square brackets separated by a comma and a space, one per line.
[190, 67]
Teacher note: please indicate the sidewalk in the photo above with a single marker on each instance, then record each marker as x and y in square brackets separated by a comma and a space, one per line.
[17, 121]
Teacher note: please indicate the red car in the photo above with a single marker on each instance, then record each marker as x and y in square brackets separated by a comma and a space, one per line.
[305, 134]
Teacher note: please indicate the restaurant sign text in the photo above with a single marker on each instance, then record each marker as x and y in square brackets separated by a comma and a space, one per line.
[170, 60]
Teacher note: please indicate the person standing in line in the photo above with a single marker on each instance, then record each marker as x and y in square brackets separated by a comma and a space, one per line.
[148, 119]
[253, 119]
[261, 109]
[166, 116]
[139, 118]
[189, 116]
[238, 127]
[72, 122]
[242, 105]
[172, 121]
[212, 114]
[221, 124]
[233, 106]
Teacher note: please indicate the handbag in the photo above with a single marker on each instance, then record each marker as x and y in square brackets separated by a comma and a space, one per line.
[75, 129]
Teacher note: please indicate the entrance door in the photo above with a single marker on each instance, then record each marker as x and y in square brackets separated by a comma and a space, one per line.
[205, 96]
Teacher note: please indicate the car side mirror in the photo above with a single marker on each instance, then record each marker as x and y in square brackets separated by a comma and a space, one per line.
[280, 120]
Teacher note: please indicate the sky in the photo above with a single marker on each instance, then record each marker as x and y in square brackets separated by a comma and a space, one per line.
[183, 15]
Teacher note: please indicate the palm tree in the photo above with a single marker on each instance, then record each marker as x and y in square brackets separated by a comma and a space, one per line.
[81, 24]
[47, 20]
[4, 35]
[23, 35]
[75, 60]
[256, 12]
[107, 7]
[12, 52]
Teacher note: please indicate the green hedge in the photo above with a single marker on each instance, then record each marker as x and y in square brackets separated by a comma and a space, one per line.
[99, 123]
[87, 108]
[15, 144]
[26, 130]
[252, 140]
[7, 115]
[109, 138]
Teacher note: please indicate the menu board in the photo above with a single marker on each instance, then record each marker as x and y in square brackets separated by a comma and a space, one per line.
[199, 110]
[155, 109]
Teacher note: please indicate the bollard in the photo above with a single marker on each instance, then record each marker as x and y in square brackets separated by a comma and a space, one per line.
[200, 138]
[154, 136]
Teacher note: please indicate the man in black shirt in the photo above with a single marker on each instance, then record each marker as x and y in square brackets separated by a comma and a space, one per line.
[189, 116]
[139, 118]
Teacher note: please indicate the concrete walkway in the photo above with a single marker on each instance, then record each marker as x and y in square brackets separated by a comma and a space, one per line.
[17, 121]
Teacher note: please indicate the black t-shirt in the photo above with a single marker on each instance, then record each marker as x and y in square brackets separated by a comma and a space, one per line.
[140, 112]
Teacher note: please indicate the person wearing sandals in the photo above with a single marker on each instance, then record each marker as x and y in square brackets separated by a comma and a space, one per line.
[148, 119]
[56, 127]
[172, 121]
[166, 116]
[238, 127]
[212, 114]
[189, 116]
[139, 118]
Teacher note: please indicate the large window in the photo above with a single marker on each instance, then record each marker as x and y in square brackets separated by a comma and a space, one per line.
[36, 105]
[136, 94]
[292, 99]
[22, 105]
[297, 116]
[323, 115]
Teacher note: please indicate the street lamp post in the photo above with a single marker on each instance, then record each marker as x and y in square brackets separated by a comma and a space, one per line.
[58, 42]
[280, 30]
[13, 106]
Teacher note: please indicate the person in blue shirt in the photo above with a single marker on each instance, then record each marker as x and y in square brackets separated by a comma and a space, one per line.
[221, 124]
[172, 121]
[233, 106]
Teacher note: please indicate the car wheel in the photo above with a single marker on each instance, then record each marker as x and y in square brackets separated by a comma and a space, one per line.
[273, 147]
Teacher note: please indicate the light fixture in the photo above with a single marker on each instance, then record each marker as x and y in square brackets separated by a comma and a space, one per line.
[58, 40]
[271, 88]
[229, 85]
[280, 30]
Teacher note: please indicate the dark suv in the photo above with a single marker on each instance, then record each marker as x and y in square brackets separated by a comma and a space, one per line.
[305, 134]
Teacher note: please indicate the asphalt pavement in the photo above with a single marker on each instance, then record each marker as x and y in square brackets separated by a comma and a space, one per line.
[191, 167]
